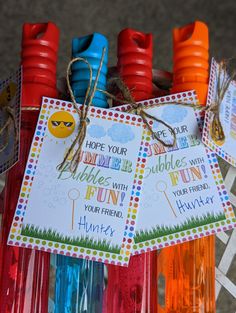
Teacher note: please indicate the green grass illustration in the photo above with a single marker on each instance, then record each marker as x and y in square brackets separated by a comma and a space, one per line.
[190, 223]
[55, 236]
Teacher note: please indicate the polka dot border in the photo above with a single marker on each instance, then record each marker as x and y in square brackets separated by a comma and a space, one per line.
[15, 237]
[184, 236]
[199, 232]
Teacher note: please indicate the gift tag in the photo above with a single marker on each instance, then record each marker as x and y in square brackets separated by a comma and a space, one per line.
[183, 195]
[227, 112]
[91, 213]
[10, 93]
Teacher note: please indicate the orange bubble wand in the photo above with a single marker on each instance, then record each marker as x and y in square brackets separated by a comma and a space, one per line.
[189, 268]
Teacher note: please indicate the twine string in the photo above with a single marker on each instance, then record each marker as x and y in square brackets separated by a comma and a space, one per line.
[145, 115]
[136, 108]
[139, 110]
[10, 113]
[7, 128]
[82, 112]
[222, 85]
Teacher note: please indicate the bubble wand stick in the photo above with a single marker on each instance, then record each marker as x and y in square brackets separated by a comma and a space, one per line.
[73, 194]
[189, 268]
[161, 187]
[134, 289]
[80, 283]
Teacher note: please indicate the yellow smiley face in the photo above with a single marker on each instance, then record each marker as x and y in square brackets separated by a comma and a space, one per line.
[61, 124]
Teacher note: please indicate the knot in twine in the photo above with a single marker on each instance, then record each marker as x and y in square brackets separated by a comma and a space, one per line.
[138, 109]
[5, 98]
[82, 112]
[216, 129]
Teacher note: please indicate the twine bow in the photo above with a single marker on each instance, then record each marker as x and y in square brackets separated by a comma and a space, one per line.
[5, 98]
[82, 112]
[138, 109]
[216, 129]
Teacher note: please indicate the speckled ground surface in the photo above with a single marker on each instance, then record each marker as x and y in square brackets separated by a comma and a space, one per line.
[80, 17]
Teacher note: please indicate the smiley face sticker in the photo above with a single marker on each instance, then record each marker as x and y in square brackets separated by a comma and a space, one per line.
[61, 124]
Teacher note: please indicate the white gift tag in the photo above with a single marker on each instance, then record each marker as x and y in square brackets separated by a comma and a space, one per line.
[227, 113]
[89, 214]
[183, 196]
